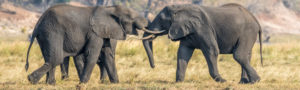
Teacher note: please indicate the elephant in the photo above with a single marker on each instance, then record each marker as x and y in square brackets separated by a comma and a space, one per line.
[65, 30]
[107, 54]
[228, 29]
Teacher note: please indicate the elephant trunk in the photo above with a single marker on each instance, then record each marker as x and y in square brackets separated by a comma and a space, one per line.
[148, 47]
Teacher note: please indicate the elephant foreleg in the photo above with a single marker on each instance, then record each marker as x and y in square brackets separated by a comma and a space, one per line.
[91, 54]
[183, 56]
[79, 64]
[110, 66]
[103, 72]
[211, 55]
[109, 60]
[65, 68]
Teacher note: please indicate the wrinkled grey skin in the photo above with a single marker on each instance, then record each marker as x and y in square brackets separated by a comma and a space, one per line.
[229, 29]
[65, 30]
[107, 54]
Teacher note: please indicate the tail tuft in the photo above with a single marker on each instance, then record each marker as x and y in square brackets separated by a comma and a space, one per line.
[26, 66]
[260, 43]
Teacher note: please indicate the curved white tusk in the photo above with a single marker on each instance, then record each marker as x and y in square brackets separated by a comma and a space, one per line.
[148, 37]
[153, 32]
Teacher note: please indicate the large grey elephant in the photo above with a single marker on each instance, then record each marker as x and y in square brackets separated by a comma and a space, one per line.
[65, 30]
[229, 29]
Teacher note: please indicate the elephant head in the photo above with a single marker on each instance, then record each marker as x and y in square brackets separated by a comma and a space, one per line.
[177, 20]
[116, 21]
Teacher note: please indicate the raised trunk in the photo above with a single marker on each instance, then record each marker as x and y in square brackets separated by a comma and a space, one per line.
[148, 47]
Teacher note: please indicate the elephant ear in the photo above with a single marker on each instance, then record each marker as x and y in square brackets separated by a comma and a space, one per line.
[182, 26]
[105, 25]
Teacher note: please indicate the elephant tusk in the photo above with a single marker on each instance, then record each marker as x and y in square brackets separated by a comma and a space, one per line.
[153, 32]
[148, 37]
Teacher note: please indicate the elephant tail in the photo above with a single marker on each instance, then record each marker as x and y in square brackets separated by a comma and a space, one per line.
[34, 35]
[260, 44]
[28, 51]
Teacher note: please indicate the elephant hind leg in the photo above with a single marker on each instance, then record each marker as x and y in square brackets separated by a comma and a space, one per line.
[242, 54]
[53, 55]
[244, 77]
[49, 68]
[243, 58]
[50, 79]
[37, 74]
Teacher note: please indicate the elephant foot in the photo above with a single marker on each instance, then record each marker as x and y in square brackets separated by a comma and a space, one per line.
[114, 81]
[81, 87]
[64, 77]
[83, 81]
[244, 81]
[220, 80]
[31, 78]
[179, 80]
[104, 81]
[254, 80]
[51, 82]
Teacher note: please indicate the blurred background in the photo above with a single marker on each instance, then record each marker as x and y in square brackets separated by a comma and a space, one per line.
[280, 21]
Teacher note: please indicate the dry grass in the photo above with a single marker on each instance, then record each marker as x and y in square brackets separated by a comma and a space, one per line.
[281, 67]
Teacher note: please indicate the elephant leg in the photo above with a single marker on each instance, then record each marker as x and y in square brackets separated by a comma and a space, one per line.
[53, 56]
[109, 60]
[243, 58]
[242, 54]
[183, 56]
[91, 54]
[65, 68]
[210, 50]
[103, 72]
[50, 79]
[244, 77]
[211, 55]
[37, 74]
[79, 63]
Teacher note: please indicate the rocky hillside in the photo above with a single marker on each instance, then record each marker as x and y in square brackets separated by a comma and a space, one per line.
[14, 20]
[275, 16]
